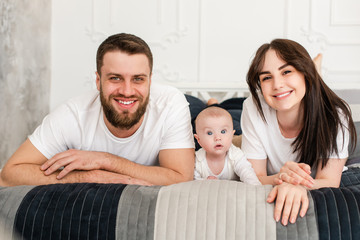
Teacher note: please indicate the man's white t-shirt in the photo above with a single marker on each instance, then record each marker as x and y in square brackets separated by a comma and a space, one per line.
[263, 140]
[79, 124]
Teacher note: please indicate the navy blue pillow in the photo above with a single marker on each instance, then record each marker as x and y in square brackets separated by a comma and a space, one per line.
[354, 157]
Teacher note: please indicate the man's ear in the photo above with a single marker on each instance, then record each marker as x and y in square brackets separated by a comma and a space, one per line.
[97, 81]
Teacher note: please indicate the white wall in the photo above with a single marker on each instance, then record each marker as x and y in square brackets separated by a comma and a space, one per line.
[202, 43]
[24, 70]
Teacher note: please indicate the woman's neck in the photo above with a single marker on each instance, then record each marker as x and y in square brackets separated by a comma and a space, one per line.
[290, 123]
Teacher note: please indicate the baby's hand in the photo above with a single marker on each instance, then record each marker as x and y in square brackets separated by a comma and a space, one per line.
[211, 177]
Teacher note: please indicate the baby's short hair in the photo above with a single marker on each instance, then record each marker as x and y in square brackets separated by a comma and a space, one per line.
[212, 111]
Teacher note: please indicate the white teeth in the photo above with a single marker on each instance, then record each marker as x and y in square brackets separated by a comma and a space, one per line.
[126, 102]
[284, 94]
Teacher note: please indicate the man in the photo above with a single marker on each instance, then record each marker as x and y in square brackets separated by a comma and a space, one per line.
[130, 131]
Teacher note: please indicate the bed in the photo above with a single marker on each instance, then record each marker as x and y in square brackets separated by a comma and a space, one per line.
[208, 209]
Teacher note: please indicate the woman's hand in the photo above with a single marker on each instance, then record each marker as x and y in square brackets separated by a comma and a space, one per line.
[289, 198]
[295, 173]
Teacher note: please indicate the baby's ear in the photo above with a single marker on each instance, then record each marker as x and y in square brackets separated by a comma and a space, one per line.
[233, 131]
[196, 137]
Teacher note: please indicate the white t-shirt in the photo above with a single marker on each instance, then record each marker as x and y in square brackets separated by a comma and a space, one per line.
[236, 166]
[263, 140]
[79, 124]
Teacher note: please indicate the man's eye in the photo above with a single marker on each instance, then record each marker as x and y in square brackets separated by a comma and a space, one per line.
[223, 131]
[115, 78]
[209, 133]
[138, 79]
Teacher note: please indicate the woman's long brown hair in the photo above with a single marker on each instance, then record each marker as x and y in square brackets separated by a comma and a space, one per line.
[321, 120]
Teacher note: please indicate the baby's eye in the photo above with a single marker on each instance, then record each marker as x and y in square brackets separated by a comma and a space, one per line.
[223, 131]
[209, 133]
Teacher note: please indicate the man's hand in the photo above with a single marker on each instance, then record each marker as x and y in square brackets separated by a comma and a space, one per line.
[288, 197]
[295, 173]
[72, 160]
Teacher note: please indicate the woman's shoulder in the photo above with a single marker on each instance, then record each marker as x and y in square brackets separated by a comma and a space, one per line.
[250, 106]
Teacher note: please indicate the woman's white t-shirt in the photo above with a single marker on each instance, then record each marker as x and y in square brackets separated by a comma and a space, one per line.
[263, 140]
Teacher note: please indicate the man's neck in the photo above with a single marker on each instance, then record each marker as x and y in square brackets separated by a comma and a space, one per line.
[122, 132]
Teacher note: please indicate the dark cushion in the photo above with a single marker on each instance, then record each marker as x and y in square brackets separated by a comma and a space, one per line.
[354, 157]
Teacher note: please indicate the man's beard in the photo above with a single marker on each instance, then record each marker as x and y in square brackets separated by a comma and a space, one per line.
[124, 120]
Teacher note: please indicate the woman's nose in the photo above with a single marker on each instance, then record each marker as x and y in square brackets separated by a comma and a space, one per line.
[278, 82]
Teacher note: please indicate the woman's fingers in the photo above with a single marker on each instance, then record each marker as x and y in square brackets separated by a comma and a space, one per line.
[304, 205]
[295, 208]
[297, 173]
[305, 167]
[290, 199]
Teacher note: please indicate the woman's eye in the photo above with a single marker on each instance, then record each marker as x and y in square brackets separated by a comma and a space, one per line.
[223, 131]
[265, 78]
[209, 133]
[287, 72]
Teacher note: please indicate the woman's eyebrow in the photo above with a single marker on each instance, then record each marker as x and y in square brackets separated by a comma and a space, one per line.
[267, 72]
[283, 66]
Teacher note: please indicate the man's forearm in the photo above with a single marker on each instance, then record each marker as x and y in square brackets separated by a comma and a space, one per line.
[154, 174]
[30, 174]
[157, 175]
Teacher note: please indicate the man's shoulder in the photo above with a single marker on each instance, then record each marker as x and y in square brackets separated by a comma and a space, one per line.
[162, 89]
[85, 101]
[166, 95]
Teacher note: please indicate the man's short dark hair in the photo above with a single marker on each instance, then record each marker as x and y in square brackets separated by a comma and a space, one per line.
[124, 42]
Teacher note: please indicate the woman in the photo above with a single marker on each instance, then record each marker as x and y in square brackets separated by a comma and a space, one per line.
[296, 130]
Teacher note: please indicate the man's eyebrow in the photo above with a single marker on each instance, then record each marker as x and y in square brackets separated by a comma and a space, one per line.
[141, 75]
[114, 74]
[119, 75]
[267, 72]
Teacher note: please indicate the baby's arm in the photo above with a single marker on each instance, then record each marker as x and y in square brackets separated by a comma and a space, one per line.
[197, 175]
[244, 170]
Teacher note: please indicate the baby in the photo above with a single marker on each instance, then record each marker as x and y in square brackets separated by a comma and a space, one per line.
[219, 158]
